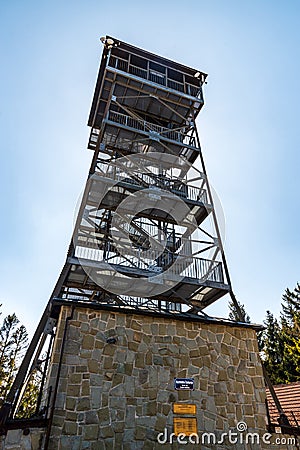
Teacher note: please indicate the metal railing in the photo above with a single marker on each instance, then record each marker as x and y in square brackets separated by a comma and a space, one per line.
[134, 70]
[94, 135]
[151, 262]
[149, 303]
[155, 131]
[177, 187]
[144, 233]
[155, 77]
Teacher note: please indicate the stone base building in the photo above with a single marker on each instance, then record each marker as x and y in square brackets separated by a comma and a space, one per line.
[115, 372]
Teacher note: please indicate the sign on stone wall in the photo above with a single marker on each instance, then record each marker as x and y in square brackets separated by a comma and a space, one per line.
[184, 384]
[184, 408]
[186, 425]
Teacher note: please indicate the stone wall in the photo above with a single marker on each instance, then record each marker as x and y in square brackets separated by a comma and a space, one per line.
[30, 439]
[120, 395]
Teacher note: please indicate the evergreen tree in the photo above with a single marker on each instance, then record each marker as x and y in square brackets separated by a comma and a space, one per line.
[290, 329]
[14, 353]
[272, 347]
[290, 305]
[234, 314]
[28, 404]
[13, 343]
[291, 352]
[8, 336]
[291, 363]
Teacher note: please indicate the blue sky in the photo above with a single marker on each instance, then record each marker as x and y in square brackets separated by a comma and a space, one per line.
[249, 129]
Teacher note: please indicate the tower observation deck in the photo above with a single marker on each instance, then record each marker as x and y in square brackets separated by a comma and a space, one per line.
[146, 235]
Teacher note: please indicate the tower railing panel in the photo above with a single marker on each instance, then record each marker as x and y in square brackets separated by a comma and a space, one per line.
[176, 186]
[183, 266]
[156, 131]
[155, 77]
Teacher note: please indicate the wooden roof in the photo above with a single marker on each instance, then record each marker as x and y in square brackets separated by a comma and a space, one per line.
[289, 398]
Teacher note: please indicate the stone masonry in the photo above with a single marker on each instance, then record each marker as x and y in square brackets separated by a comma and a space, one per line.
[120, 394]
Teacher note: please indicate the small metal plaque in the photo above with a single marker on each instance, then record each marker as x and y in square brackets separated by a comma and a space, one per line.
[184, 408]
[186, 425]
[184, 384]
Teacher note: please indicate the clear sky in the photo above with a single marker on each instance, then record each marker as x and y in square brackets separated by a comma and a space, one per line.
[50, 53]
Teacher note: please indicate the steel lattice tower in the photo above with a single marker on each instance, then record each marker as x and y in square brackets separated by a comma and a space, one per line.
[146, 238]
[147, 159]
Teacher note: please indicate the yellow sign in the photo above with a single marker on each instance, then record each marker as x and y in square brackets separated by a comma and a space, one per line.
[186, 425]
[184, 408]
